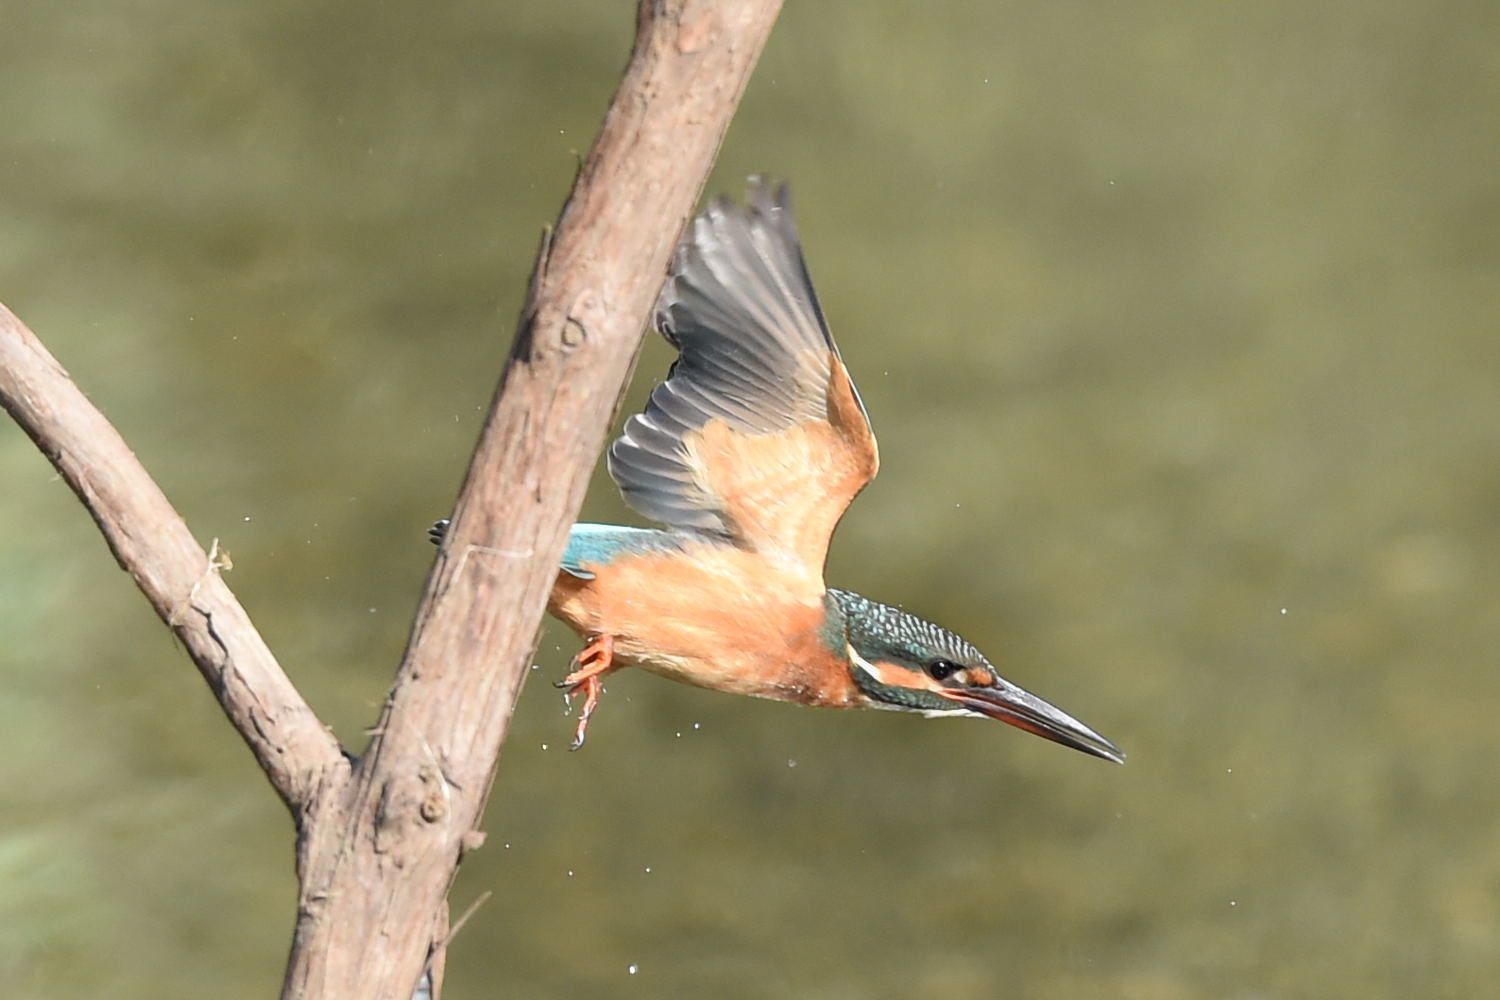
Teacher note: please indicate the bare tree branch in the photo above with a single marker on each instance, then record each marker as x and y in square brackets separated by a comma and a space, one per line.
[152, 544]
[379, 839]
[368, 911]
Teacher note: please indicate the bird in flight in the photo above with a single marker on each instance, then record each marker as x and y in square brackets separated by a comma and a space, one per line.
[749, 454]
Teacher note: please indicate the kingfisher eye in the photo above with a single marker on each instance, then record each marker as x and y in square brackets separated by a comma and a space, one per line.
[941, 670]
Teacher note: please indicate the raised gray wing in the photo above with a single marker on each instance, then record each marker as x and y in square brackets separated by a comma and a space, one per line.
[758, 359]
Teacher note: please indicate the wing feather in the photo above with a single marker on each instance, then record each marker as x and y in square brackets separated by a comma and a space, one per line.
[758, 435]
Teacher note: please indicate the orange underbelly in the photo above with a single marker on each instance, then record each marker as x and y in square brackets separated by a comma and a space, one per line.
[722, 619]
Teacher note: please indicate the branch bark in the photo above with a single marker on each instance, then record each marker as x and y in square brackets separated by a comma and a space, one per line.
[380, 838]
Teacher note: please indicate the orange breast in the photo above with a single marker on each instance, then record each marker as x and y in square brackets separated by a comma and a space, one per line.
[713, 616]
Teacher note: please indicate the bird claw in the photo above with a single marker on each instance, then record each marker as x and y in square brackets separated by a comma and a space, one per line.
[596, 660]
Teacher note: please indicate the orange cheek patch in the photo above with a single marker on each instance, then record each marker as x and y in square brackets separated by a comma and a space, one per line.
[895, 675]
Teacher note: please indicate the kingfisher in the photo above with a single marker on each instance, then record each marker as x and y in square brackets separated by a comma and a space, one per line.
[749, 453]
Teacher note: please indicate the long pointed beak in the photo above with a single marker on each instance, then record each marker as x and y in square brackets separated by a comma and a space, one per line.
[1024, 710]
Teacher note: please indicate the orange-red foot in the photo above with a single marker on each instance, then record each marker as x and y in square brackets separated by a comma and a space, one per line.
[596, 660]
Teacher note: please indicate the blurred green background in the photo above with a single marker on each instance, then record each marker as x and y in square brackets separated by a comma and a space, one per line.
[1178, 324]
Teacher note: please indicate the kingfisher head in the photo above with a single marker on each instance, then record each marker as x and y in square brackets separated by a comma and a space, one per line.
[903, 662]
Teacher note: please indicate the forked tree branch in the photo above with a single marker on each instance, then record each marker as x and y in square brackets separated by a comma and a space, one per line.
[369, 910]
[380, 838]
